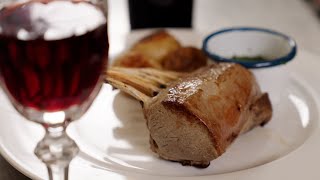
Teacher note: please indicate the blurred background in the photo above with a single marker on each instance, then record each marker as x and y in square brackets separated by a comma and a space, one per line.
[297, 18]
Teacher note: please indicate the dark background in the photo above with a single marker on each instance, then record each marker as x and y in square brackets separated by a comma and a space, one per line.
[160, 13]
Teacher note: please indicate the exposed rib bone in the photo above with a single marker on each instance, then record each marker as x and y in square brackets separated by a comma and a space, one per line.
[141, 83]
[128, 89]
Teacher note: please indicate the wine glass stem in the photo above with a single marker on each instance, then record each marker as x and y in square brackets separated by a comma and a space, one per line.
[56, 150]
[57, 172]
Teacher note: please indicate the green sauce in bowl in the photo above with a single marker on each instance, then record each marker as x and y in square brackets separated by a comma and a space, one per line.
[249, 58]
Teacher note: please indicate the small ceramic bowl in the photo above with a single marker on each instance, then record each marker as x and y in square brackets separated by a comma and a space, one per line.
[264, 51]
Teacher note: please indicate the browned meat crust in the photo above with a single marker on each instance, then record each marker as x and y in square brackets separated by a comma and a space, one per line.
[161, 50]
[149, 51]
[184, 59]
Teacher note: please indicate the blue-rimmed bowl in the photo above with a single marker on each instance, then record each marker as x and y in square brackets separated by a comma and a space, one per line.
[275, 48]
[264, 51]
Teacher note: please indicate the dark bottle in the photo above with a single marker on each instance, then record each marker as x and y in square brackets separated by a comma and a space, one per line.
[160, 13]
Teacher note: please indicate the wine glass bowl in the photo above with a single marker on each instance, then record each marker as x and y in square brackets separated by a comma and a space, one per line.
[52, 54]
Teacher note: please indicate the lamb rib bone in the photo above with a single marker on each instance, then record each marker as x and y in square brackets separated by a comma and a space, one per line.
[141, 83]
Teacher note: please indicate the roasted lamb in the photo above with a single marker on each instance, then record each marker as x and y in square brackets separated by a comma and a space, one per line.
[193, 118]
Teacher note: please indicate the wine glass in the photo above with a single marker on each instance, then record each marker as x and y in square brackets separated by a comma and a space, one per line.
[52, 54]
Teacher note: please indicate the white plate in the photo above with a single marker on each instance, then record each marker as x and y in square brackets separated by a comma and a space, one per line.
[114, 140]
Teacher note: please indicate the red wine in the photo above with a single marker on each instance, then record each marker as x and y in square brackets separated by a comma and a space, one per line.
[52, 52]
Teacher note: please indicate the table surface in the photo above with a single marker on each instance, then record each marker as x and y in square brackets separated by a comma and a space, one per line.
[293, 17]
